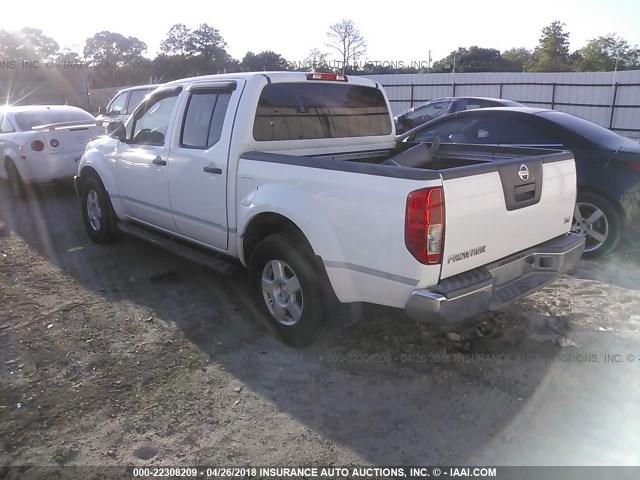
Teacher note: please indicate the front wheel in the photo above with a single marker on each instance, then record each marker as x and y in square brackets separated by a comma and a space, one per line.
[597, 220]
[286, 289]
[97, 213]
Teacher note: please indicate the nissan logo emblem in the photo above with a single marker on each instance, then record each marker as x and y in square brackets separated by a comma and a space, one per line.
[523, 173]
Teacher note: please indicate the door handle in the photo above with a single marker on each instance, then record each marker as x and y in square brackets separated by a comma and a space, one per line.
[212, 170]
[159, 161]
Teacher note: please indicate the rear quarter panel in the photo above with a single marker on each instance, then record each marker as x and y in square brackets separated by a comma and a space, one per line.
[353, 221]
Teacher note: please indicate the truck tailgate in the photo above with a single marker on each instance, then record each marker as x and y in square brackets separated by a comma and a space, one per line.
[498, 208]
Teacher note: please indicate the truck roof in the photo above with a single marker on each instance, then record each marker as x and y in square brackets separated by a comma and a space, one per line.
[272, 77]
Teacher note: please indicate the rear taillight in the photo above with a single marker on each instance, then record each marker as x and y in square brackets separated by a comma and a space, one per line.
[336, 77]
[424, 225]
[634, 166]
[54, 143]
[37, 146]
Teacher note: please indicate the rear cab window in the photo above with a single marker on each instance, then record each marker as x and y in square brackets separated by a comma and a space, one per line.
[303, 111]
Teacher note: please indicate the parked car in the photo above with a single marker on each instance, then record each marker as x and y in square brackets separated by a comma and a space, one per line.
[608, 164]
[443, 106]
[285, 172]
[40, 143]
[124, 103]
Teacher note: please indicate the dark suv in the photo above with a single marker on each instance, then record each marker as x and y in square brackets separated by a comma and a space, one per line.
[442, 106]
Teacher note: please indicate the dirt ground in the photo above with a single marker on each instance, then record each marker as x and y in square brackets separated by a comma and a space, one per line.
[126, 354]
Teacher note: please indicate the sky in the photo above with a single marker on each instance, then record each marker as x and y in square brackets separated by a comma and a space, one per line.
[394, 31]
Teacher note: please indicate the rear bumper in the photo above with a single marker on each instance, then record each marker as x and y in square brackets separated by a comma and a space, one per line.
[498, 284]
[52, 167]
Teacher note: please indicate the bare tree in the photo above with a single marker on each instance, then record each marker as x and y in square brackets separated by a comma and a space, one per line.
[316, 60]
[347, 40]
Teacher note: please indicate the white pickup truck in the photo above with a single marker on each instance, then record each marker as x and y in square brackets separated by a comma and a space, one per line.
[300, 178]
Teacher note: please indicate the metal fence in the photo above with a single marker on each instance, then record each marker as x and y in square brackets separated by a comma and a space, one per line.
[610, 99]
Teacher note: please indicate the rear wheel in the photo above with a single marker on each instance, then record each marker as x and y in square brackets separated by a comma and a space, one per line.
[596, 218]
[97, 213]
[286, 289]
[16, 184]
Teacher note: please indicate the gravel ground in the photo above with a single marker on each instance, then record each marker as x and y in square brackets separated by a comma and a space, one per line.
[126, 354]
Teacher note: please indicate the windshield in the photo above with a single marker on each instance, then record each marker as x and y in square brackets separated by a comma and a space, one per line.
[29, 120]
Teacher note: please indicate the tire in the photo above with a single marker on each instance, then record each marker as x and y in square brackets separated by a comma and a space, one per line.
[16, 184]
[97, 213]
[285, 288]
[597, 219]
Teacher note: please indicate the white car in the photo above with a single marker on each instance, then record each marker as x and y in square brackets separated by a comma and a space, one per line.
[40, 143]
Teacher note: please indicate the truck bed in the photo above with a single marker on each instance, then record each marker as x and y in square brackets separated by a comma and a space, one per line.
[451, 156]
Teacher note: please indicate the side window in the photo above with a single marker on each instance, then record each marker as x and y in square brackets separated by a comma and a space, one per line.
[482, 130]
[428, 112]
[151, 123]
[204, 118]
[479, 103]
[5, 124]
[135, 97]
[442, 131]
[118, 104]
[520, 132]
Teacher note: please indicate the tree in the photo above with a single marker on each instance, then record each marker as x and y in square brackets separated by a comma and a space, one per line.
[186, 52]
[114, 48]
[37, 45]
[472, 59]
[68, 55]
[177, 41]
[607, 53]
[9, 45]
[514, 59]
[207, 51]
[347, 40]
[263, 61]
[117, 60]
[27, 44]
[552, 53]
[207, 42]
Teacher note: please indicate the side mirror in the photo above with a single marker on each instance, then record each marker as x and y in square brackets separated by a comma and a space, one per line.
[117, 130]
[102, 110]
